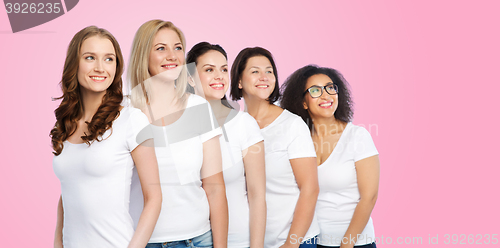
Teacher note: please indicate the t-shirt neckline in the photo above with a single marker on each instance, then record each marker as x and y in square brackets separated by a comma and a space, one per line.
[337, 145]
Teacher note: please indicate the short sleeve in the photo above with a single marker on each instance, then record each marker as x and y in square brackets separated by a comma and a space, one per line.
[138, 129]
[250, 131]
[208, 120]
[363, 144]
[301, 145]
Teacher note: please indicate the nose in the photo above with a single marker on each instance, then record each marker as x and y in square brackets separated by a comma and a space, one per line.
[264, 77]
[98, 66]
[218, 75]
[170, 55]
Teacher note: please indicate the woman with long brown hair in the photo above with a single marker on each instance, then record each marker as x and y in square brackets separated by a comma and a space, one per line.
[186, 142]
[96, 144]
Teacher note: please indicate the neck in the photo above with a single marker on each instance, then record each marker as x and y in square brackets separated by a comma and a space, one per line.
[327, 126]
[256, 107]
[162, 90]
[91, 102]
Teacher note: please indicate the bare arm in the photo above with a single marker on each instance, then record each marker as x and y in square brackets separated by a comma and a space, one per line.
[306, 175]
[213, 184]
[58, 242]
[147, 170]
[368, 173]
[254, 162]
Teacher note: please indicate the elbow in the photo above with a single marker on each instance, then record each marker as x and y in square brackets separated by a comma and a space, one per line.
[370, 199]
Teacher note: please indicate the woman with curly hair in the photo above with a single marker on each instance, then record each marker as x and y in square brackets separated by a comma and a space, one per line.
[96, 144]
[291, 177]
[348, 171]
[242, 148]
[186, 142]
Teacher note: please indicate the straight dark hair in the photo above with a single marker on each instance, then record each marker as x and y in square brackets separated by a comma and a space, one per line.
[239, 65]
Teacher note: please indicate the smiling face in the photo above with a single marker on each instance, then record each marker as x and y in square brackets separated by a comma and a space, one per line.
[97, 65]
[213, 73]
[257, 79]
[167, 54]
[323, 106]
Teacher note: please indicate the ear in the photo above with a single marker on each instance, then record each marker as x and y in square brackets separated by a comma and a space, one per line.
[304, 105]
[191, 81]
[239, 85]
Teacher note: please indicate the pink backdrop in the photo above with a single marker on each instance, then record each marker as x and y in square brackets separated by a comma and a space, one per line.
[424, 76]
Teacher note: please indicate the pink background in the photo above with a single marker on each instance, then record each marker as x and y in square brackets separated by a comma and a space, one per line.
[424, 74]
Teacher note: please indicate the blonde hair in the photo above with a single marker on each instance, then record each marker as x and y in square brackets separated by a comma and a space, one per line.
[138, 71]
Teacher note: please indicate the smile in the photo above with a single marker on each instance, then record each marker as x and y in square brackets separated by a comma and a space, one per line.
[169, 66]
[97, 79]
[326, 104]
[262, 86]
[217, 86]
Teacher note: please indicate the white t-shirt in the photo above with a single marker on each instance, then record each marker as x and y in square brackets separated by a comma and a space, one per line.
[286, 138]
[179, 151]
[240, 131]
[95, 185]
[339, 193]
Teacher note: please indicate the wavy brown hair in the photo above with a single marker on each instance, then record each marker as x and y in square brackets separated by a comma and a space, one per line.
[70, 111]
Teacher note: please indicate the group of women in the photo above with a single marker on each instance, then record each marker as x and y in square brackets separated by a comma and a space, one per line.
[175, 164]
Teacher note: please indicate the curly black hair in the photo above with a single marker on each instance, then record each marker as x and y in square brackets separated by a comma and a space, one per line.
[295, 85]
[239, 65]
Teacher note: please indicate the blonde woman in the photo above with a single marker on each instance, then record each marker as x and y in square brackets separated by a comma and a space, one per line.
[194, 213]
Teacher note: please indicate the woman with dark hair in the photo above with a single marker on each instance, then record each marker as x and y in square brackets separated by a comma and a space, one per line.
[186, 142]
[96, 144]
[242, 148]
[291, 176]
[348, 160]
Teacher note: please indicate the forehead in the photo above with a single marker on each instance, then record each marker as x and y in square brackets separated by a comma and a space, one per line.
[258, 61]
[318, 79]
[166, 36]
[97, 44]
[212, 57]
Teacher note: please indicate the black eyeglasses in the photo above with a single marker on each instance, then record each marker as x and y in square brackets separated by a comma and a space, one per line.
[316, 91]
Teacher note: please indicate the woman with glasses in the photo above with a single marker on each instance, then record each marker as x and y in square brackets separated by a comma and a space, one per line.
[348, 171]
[291, 176]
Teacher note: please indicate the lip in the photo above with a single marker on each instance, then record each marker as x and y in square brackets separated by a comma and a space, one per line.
[262, 86]
[217, 86]
[97, 78]
[326, 104]
[169, 66]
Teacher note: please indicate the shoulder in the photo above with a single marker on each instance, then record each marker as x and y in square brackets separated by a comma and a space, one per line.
[131, 114]
[193, 100]
[294, 120]
[357, 130]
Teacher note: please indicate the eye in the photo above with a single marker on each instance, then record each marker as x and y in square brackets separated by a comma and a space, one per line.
[269, 71]
[224, 70]
[209, 70]
[178, 48]
[109, 59]
[254, 71]
[160, 48]
[89, 57]
[314, 90]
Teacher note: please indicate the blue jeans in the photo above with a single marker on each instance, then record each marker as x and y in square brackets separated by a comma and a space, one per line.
[204, 240]
[310, 243]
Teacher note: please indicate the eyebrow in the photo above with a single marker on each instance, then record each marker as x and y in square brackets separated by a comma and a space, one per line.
[212, 65]
[256, 67]
[178, 43]
[91, 53]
